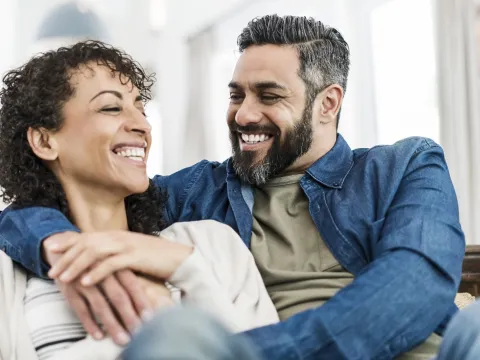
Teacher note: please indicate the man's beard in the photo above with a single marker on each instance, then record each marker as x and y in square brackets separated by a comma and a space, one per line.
[281, 154]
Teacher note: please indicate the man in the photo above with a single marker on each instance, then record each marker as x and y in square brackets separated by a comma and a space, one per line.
[360, 250]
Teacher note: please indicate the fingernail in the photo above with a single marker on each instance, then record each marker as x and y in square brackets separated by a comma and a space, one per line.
[123, 338]
[65, 276]
[86, 280]
[98, 335]
[147, 315]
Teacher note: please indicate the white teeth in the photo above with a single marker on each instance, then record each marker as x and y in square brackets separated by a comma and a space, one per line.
[253, 139]
[132, 153]
[136, 158]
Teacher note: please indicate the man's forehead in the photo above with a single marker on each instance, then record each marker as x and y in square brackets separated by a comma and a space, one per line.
[267, 64]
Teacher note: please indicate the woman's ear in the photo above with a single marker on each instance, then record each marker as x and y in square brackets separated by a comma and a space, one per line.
[43, 143]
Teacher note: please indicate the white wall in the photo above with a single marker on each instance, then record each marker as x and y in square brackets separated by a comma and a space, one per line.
[184, 19]
[8, 9]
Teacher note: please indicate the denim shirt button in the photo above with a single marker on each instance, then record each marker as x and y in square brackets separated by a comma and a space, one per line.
[336, 184]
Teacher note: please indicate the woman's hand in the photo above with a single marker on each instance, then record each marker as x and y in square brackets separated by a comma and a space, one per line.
[97, 255]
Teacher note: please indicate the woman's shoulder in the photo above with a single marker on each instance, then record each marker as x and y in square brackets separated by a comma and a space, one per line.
[214, 240]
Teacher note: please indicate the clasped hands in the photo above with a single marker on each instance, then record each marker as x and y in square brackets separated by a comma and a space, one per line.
[117, 277]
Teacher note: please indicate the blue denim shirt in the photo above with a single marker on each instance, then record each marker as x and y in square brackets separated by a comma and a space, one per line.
[388, 214]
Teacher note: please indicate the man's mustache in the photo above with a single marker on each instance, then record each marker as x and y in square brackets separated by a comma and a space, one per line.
[271, 130]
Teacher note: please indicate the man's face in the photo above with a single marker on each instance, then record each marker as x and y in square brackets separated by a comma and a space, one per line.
[269, 117]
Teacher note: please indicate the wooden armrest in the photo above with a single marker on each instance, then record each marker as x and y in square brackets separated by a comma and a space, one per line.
[471, 271]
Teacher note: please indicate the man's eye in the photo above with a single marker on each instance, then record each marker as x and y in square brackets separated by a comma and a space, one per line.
[235, 98]
[270, 98]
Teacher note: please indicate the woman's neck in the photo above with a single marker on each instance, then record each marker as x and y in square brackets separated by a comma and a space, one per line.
[96, 210]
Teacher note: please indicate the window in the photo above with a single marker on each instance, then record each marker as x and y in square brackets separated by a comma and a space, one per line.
[404, 66]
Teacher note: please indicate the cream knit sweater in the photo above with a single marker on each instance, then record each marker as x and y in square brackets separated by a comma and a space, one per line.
[220, 277]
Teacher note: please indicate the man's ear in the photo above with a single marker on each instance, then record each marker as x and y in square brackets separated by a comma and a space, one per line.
[43, 143]
[331, 103]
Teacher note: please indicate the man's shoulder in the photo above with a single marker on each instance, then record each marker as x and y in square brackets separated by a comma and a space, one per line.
[401, 151]
[387, 165]
[213, 170]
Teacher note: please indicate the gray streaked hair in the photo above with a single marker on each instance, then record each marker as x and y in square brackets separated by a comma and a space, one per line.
[323, 53]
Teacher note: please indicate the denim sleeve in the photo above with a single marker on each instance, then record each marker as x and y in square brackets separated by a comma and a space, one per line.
[402, 296]
[23, 230]
[177, 186]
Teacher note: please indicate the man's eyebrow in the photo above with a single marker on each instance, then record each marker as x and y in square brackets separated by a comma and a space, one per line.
[261, 85]
[234, 85]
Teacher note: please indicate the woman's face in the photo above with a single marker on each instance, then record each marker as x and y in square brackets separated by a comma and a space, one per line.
[105, 137]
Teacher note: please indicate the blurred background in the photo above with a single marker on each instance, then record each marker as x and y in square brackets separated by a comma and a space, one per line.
[414, 69]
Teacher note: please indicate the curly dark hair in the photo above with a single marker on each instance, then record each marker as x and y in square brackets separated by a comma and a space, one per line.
[33, 96]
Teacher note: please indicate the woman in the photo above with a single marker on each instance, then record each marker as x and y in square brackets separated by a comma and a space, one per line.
[73, 135]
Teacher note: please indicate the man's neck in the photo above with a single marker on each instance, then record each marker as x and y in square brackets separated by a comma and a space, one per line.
[96, 210]
[318, 149]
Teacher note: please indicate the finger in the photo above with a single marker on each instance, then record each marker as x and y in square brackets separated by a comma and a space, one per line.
[80, 264]
[64, 261]
[61, 244]
[121, 303]
[80, 307]
[89, 257]
[105, 268]
[104, 313]
[132, 284]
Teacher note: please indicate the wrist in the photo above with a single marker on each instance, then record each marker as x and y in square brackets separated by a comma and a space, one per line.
[178, 253]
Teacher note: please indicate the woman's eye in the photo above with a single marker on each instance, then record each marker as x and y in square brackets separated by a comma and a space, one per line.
[111, 109]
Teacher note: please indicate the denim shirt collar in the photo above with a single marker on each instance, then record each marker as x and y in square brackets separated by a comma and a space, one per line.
[330, 170]
[333, 167]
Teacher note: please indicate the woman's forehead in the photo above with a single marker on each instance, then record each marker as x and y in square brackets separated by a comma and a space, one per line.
[92, 78]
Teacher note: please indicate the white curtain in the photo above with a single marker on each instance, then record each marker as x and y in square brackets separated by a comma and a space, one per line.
[197, 142]
[459, 105]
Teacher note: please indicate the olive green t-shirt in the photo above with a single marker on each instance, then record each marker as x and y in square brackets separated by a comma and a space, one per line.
[297, 267]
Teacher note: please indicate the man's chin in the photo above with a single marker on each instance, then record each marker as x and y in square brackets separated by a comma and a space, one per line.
[250, 160]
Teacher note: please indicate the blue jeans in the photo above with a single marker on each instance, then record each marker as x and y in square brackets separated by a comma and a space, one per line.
[187, 334]
[461, 340]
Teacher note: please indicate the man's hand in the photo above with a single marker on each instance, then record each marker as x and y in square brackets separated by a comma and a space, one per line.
[110, 303]
[118, 302]
[157, 293]
[50, 256]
